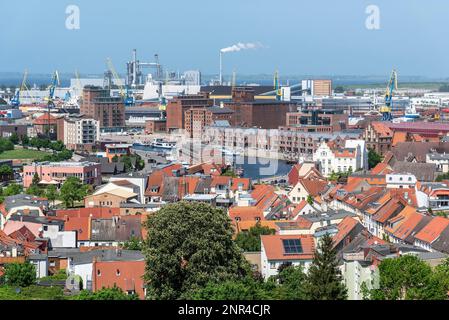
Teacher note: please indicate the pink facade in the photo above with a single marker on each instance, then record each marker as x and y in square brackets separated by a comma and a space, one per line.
[56, 173]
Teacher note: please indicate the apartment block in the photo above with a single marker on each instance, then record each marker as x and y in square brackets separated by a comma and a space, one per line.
[98, 104]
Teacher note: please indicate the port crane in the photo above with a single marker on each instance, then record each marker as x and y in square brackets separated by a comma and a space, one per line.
[386, 110]
[124, 92]
[15, 101]
[51, 91]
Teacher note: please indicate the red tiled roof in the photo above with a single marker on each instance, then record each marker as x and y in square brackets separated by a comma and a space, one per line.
[80, 225]
[432, 230]
[246, 213]
[86, 212]
[274, 248]
[45, 119]
[344, 228]
[313, 186]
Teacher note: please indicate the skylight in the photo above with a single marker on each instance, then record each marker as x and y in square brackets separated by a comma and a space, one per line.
[292, 246]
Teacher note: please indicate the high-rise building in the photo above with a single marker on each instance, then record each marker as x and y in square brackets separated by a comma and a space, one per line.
[98, 104]
[317, 88]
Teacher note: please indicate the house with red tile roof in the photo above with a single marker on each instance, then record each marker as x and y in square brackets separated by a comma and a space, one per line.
[303, 171]
[300, 209]
[307, 187]
[348, 229]
[277, 250]
[352, 157]
[430, 233]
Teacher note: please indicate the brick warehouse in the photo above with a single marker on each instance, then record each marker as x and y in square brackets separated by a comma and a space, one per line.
[265, 114]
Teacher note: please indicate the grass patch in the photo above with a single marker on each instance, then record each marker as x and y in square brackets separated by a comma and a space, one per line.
[23, 154]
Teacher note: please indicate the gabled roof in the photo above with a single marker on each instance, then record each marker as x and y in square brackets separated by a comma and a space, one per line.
[432, 230]
[246, 213]
[274, 249]
[344, 228]
[314, 186]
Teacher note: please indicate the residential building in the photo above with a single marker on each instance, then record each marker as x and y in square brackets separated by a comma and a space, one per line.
[79, 133]
[277, 250]
[98, 104]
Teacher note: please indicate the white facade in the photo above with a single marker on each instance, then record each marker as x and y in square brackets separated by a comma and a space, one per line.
[351, 159]
[401, 180]
[81, 131]
[270, 267]
[140, 182]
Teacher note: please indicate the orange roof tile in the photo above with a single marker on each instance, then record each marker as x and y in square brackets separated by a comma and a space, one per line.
[344, 228]
[432, 230]
[246, 213]
[274, 248]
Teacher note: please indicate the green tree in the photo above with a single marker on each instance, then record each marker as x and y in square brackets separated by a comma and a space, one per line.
[51, 193]
[310, 200]
[36, 180]
[14, 138]
[114, 159]
[324, 279]
[250, 240]
[6, 144]
[292, 281]
[133, 243]
[188, 246]
[339, 89]
[25, 140]
[409, 278]
[6, 172]
[20, 274]
[72, 190]
[57, 145]
[35, 191]
[114, 293]
[373, 158]
[12, 190]
[244, 289]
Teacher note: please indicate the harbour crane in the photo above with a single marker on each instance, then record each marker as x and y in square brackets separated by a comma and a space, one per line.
[124, 92]
[15, 101]
[386, 110]
[51, 91]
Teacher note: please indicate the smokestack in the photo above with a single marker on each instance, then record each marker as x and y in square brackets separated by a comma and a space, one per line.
[221, 67]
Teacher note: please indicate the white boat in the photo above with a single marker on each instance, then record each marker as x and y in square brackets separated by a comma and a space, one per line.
[161, 143]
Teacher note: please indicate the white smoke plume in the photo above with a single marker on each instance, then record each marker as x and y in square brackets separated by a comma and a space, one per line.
[241, 46]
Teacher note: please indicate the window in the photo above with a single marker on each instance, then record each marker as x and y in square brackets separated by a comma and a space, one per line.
[117, 272]
[272, 265]
[98, 272]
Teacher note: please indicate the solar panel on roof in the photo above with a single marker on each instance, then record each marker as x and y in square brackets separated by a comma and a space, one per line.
[292, 246]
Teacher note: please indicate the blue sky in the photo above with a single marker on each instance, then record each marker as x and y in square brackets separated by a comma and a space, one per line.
[319, 37]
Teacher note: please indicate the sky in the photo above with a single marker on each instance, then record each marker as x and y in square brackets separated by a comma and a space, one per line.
[315, 37]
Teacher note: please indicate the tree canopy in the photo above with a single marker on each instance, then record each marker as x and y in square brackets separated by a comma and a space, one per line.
[250, 240]
[20, 274]
[188, 246]
[73, 190]
[373, 158]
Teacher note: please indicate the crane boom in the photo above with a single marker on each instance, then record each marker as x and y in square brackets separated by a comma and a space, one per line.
[391, 87]
[124, 92]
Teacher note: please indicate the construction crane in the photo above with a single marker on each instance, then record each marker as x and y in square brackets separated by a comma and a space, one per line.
[15, 101]
[386, 110]
[124, 91]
